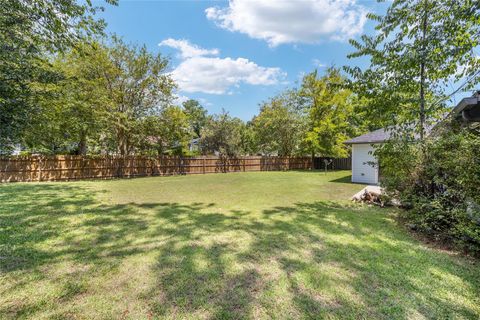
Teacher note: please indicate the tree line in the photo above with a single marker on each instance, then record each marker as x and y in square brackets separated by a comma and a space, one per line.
[70, 89]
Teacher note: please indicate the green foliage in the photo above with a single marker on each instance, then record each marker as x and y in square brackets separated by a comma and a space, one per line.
[72, 111]
[169, 133]
[103, 101]
[279, 127]
[438, 183]
[330, 114]
[222, 134]
[248, 142]
[419, 48]
[29, 32]
[197, 115]
[137, 86]
[314, 119]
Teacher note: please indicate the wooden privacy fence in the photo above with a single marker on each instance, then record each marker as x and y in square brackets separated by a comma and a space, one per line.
[56, 168]
[333, 164]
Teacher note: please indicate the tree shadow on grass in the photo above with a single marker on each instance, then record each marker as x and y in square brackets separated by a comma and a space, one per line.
[308, 260]
[393, 275]
[41, 214]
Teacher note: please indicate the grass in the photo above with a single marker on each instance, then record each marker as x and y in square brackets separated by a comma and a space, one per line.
[281, 245]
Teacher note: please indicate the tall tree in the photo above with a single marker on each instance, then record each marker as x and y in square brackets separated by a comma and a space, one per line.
[278, 127]
[222, 134]
[419, 47]
[197, 115]
[137, 86]
[72, 110]
[29, 31]
[167, 133]
[248, 143]
[103, 97]
[329, 107]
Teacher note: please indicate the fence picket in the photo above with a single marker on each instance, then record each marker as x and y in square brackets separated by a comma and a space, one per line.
[38, 168]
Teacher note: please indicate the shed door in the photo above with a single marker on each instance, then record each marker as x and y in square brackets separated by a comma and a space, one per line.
[362, 170]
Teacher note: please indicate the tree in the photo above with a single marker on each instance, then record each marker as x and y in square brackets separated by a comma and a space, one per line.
[248, 143]
[419, 47]
[197, 115]
[29, 32]
[438, 183]
[278, 127]
[330, 114]
[222, 134]
[168, 133]
[71, 110]
[137, 86]
[104, 97]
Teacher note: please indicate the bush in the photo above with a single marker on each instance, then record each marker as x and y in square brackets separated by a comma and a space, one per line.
[438, 182]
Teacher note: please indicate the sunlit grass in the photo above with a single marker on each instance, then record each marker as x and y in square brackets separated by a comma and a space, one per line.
[282, 245]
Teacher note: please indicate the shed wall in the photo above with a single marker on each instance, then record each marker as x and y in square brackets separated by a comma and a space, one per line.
[362, 170]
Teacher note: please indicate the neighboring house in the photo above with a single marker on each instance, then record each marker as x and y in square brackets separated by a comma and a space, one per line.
[365, 165]
[194, 145]
[468, 110]
[17, 151]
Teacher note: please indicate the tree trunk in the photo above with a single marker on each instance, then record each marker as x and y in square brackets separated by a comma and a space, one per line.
[313, 161]
[82, 145]
[422, 72]
[122, 142]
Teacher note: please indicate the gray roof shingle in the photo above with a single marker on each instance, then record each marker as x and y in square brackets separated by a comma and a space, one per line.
[377, 136]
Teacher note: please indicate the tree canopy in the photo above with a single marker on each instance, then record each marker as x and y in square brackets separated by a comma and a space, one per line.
[222, 134]
[330, 113]
[278, 127]
[31, 31]
[419, 47]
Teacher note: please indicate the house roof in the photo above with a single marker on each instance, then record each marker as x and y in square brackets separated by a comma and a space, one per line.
[377, 136]
[468, 110]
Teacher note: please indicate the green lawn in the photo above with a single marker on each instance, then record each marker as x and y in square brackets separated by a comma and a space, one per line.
[281, 245]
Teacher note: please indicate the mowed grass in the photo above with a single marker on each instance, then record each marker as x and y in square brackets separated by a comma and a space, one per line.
[267, 245]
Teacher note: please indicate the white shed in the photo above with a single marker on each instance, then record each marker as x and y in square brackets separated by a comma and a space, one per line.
[364, 164]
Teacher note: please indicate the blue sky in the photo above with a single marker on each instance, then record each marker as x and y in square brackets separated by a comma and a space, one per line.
[236, 54]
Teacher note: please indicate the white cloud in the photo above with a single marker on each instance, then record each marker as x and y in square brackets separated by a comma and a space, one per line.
[205, 102]
[178, 99]
[285, 21]
[187, 50]
[318, 64]
[201, 71]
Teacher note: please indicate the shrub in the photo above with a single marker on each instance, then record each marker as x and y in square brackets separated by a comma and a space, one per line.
[438, 182]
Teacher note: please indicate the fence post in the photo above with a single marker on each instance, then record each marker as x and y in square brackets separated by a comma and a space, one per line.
[39, 168]
[203, 164]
